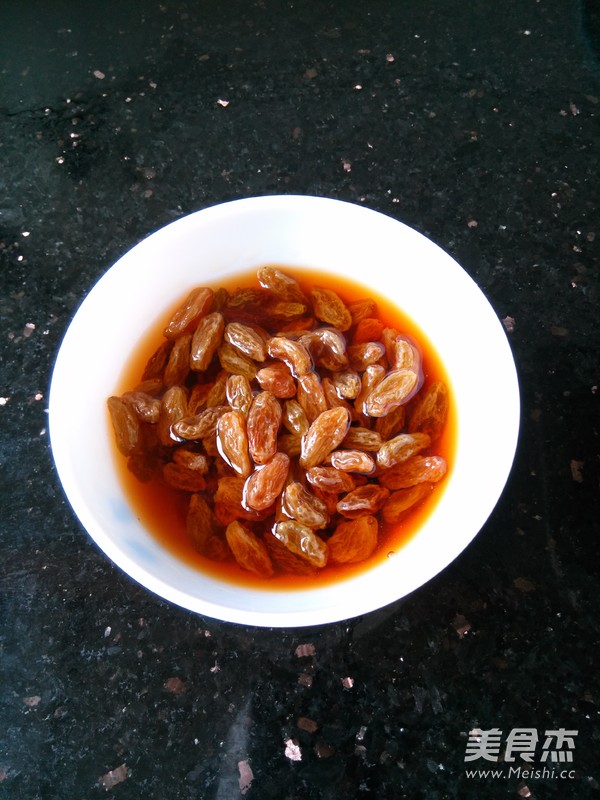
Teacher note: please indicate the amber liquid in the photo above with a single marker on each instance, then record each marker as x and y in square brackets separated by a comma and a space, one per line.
[162, 510]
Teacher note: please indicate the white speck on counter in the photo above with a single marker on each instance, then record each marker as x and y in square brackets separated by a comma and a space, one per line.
[114, 776]
[32, 701]
[509, 324]
[175, 685]
[246, 776]
[577, 470]
[292, 750]
[307, 724]
[461, 625]
[304, 650]
[523, 585]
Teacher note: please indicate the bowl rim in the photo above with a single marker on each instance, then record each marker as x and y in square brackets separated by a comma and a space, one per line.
[62, 444]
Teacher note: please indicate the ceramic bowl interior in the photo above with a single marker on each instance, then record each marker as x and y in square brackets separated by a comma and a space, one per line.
[332, 236]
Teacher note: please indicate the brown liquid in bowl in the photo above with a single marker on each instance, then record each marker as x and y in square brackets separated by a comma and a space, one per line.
[162, 509]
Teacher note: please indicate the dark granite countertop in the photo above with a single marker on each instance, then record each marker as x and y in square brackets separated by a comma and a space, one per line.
[477, 124]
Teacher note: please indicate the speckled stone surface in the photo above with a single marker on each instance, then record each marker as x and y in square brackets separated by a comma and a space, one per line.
[479, 125]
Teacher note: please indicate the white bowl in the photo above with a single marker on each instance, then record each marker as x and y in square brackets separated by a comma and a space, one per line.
[336, 237]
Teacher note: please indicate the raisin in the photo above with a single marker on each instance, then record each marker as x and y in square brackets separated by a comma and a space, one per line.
[178, 364]
[332, 397]
[304, 506]
[324, 435]
[290, 444]
[206, 339]
[234, 362]
[285, 560]
[404, 500]
[430, 412]
[264, 420]
[284, 286]
[353, 461]
[180, 477]
[293, 354]
[311, 396]
[395, 389]
[199, 426]
[145, 466]
[230, 495]
[391, 424]
[277, 379]
[359, 438]
[173, 408]
[145, 406]
[248, 550]
[365, 355]
[371, 377]
[196, 305]
[302, 541]
[327, 347]
[400, 448]
[418, 469]
[363, 500]
[265, 484]
[217, 394]
[157, 362]
[347, 384]
[361, 309]
[368, 329]
[330, 308]
[200, 522]
[329, 479]
[248, 339]
[232, 442]
[282, 311]
[191, 459]
[239, 393]
[354, 540]
[294, 417]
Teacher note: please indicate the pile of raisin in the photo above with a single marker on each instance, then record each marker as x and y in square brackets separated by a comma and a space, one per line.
[296, 423]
